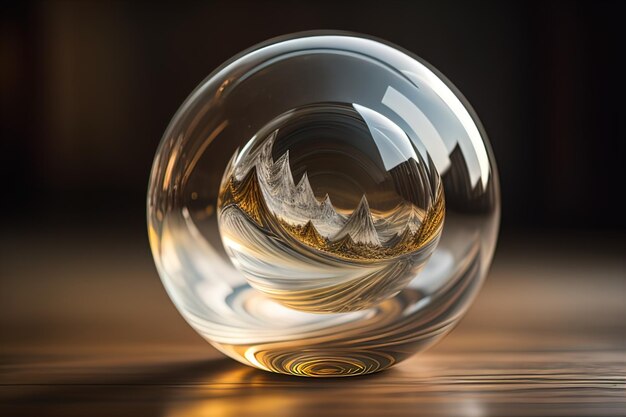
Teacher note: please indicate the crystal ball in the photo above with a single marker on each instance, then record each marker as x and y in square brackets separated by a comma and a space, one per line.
[323, 204]
[349, 226]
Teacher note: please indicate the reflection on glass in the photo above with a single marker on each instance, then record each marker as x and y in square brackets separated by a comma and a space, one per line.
[308, 253]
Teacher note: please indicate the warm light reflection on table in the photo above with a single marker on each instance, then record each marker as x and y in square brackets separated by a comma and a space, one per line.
[99, 337]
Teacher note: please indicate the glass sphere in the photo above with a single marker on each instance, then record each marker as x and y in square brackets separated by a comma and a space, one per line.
[360, 221]
[323, 204]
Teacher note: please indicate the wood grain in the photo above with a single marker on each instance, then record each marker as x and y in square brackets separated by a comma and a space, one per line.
[88, 330]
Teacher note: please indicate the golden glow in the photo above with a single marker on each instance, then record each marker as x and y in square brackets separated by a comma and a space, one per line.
[246, 194]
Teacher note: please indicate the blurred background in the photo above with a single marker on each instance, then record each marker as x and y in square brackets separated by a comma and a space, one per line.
[87, 89]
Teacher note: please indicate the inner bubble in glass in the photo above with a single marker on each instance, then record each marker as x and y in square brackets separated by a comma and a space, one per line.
[330, 208]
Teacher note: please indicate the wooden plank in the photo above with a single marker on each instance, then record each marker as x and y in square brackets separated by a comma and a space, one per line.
[89, 331]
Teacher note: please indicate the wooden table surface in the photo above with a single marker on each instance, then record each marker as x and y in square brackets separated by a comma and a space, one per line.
[87, 330]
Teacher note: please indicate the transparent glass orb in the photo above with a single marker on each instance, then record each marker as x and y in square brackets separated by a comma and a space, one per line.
[323, 204]
[330, 208]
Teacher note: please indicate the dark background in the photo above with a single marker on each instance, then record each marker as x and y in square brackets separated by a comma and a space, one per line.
[89, 87]
[86, 328]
